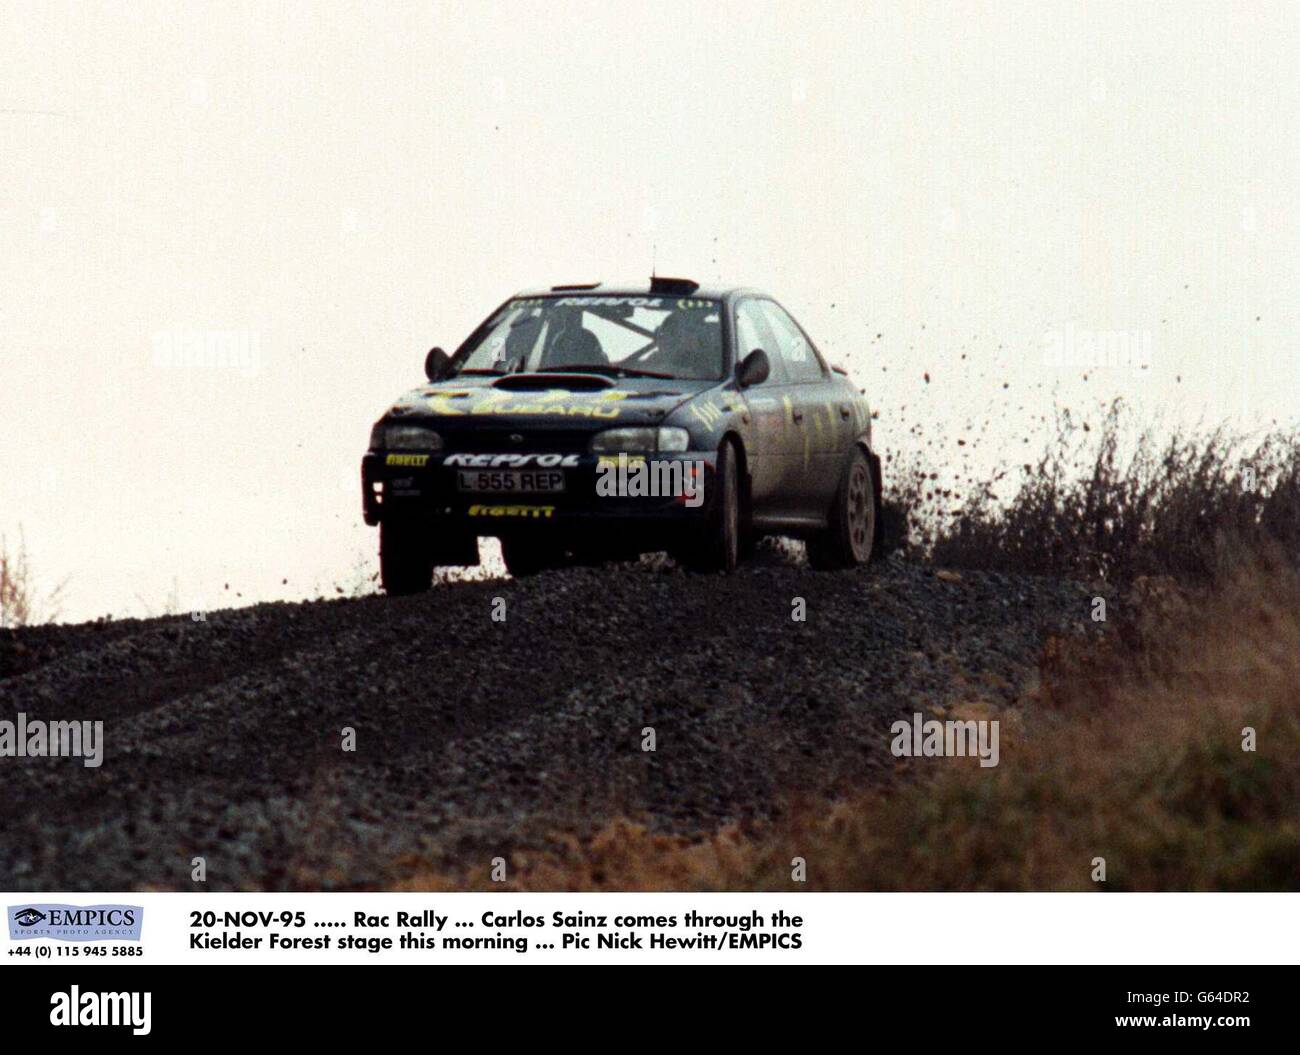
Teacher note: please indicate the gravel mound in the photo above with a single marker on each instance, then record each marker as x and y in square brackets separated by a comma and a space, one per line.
[475, 738]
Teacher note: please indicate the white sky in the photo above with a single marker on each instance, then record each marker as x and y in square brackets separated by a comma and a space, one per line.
[336, 188]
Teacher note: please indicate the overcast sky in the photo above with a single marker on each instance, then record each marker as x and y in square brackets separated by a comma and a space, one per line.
[229, 233]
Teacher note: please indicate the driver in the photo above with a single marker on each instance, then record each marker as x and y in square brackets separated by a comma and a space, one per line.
[687, 345]
[575, 345]
[510, 354]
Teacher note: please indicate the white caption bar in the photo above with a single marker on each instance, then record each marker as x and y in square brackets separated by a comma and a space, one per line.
[507, 927]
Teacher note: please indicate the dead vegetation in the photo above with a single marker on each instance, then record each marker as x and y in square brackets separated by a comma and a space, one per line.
[22, 602]
[1111, 502]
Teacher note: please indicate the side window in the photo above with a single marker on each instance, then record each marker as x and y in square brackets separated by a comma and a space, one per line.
[752, 331]
[800, 358]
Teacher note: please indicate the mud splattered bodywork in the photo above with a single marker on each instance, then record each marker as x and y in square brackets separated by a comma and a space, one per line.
[541, 424]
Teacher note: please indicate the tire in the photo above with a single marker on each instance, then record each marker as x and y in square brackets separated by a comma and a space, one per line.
[852, 535]
[524, 556]
[719, 550]
[405, 557]
[749, 538]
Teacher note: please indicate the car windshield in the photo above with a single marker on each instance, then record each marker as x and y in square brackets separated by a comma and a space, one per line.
[647, 336]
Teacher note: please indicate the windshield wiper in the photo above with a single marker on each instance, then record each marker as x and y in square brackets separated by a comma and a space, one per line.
[480, 370]
[629, 371]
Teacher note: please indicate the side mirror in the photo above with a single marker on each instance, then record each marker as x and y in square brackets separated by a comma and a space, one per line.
[753, 369]
[436, 364]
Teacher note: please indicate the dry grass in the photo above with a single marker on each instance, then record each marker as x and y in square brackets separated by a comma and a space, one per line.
[1130, 751]
[1134, 754]
[622, 856]
[1112, 502]
[21, 602]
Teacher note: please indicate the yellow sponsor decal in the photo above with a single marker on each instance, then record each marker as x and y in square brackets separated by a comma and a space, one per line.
[551, 403]
[440, 402]
[707, 413]
[512, 511]
[412, 461]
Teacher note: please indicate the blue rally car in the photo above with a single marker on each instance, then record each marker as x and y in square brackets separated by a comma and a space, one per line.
[595, 422]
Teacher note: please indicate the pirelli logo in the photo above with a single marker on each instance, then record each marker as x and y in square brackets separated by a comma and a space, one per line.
[410, 461]
[532, 512]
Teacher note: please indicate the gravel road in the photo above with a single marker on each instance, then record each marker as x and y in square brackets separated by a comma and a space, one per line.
[475, 738]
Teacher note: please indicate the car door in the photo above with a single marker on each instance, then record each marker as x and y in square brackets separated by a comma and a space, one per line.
[814, 414]
[771, 444]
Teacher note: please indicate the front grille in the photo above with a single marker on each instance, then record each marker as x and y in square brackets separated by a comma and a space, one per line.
[492, 440]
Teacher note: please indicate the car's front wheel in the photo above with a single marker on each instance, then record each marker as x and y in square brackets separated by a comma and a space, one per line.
[719, 549]
[850, 536]
[405, 556]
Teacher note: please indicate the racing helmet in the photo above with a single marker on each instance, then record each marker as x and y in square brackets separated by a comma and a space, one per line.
[688, 344]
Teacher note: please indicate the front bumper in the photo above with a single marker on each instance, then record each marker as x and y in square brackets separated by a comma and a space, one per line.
[418, 484]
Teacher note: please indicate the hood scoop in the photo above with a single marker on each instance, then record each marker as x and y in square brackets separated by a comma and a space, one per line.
[575, 382]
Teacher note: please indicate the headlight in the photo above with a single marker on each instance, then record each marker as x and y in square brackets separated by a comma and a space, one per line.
[404, 438]
[674, 440]
[641, 440]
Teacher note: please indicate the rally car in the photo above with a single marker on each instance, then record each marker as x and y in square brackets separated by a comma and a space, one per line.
[584, 423]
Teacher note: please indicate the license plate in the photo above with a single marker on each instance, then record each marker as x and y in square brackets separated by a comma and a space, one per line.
[512, 481]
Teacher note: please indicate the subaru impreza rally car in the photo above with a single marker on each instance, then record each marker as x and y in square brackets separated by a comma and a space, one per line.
[595, 422]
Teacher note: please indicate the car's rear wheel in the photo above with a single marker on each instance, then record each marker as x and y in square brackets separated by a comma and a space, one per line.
[526, 556]
[851, 535]
[719, 550]
[405, 556]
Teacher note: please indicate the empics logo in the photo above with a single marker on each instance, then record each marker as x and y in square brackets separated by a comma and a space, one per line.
[75, 1008]
[76, 922]
[29, 917]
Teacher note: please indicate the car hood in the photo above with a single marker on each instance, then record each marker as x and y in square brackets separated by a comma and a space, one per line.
[561, 401]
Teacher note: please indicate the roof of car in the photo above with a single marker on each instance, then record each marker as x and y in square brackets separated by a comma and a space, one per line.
[646, 287]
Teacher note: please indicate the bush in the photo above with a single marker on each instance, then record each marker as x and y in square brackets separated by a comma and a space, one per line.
[1098, 505]
[20, 602]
